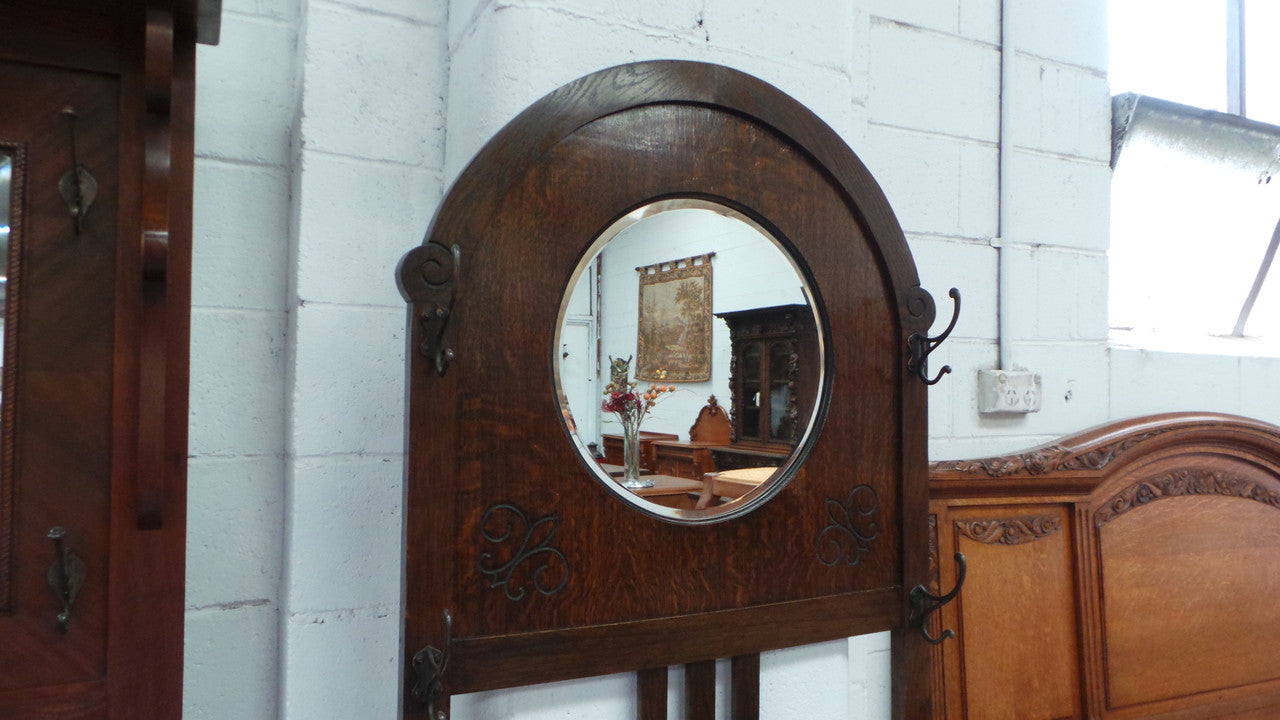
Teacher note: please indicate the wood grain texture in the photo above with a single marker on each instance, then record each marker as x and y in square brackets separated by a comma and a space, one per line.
[79, 387]
[651, 693]
[523, 214]
[700, 690]
[744, 687]
[1153, 600]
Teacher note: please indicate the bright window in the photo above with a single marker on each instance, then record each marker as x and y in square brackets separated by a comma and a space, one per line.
[1195, 196]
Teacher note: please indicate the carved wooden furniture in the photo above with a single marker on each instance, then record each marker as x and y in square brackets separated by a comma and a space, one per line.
[692, 459]
[613, 448]
[1129, 571]
[773, 375]
[98, 114]
[526, 563]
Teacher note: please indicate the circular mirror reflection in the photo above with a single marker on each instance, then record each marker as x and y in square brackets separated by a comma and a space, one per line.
[688, 361]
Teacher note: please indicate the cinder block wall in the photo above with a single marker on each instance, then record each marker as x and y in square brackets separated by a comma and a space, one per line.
[326, 132]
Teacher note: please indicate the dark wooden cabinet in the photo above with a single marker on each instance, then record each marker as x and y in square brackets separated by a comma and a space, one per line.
[97, 135]
[773, 375]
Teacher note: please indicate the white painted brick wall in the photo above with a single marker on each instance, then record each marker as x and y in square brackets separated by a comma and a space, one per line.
[1068, 31]
[937, 185]
[367, 178]
[245, 91]
[1061, 109]
[325, 132]
[1060, 201]
[907, 91]
[516, 52]
[973, 19]
[246, 107]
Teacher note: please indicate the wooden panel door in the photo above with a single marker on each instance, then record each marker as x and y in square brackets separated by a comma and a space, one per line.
[96, 339]
[57, 389]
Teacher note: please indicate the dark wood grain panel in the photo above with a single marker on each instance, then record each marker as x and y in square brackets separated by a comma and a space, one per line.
[651, 693]
[489, 663]
[72, 389]
[744, 688]
[700, 690]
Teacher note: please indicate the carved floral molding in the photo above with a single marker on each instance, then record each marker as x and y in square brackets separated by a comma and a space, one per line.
[1194, 481]
[1045, 460]
[1010, 531]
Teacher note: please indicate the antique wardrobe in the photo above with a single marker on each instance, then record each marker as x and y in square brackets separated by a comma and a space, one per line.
[95, 166]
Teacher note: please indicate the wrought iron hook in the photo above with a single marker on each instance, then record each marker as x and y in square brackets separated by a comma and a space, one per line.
[924, 603]
[65, 575]
[77, 186]
[921, 346]
[429, 665]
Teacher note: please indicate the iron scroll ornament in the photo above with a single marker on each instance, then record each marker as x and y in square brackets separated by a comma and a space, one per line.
[428, 274]
[921, 345]
[853, 527]
[924, 603]
[528, 547]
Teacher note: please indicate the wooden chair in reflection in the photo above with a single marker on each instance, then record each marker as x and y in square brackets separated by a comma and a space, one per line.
[727, 485]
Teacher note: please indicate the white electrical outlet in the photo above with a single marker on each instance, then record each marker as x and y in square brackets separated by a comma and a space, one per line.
[1008, 391]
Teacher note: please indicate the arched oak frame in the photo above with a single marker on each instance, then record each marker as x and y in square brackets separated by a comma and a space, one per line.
[586, 584]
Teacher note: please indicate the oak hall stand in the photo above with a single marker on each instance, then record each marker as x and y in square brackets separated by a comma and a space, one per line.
[526, 563]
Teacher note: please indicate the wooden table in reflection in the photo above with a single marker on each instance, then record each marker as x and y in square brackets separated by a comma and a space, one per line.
[618, 471]
[673, 492]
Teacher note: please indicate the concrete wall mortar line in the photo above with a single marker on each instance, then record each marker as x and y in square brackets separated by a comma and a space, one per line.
[357, 9]
[977, 142]
[881, 20]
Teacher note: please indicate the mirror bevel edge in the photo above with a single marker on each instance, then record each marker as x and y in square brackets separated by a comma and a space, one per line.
[791, 467]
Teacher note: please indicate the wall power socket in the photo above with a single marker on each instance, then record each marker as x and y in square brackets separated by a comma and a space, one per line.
[1008, 391]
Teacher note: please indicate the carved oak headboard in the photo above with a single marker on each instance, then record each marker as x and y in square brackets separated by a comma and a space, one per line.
[1129, 571]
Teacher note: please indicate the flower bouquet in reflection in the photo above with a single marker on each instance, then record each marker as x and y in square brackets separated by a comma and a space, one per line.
[622, 399]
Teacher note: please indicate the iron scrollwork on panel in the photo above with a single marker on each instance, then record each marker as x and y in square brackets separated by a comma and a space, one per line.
[853, 527]
[428, 274]
[429, 665]
[527, 543]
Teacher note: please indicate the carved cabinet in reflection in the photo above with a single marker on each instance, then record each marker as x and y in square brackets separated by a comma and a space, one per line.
[774, 375]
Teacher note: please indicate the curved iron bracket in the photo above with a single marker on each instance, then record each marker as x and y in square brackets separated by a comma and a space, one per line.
[428, 274]
[924, 603]
[429, 665]
[920, 346]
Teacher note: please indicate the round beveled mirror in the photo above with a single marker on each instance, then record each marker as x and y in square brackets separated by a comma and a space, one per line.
[688, 360]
